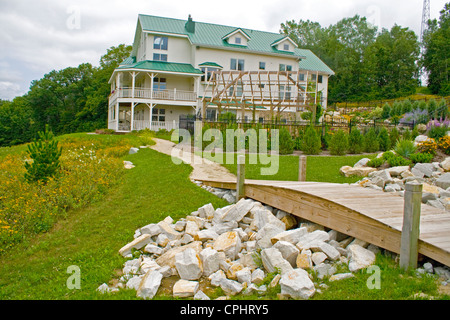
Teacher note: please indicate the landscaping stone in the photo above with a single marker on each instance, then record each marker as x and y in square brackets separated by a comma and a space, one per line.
[188, 265]
[206, 212]
[229, 243]
[304, 261]
[329, 250]
[360, 258]
[318, 257]
[184, 288]
[446, 164]
[293, 236]
[137, 243]
[341, 276]
[200, 295]
[258, 276]
[152, 229]
[266, 233]
[324, 270]
[426, 168]
[310, 239]
[230, 287]
[443, 181]
[272, 260]
[288, 251]
[361, 163]
[149, 285]
[168, 258]
[348, 171]
[133, 150]
[297, 284]
[239, 210]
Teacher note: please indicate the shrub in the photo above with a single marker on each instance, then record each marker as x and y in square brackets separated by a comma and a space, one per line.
[386, 111]
[407, 135]
[298, 143]
[375, 163]
[405, 148]
[388, 155]
[286, 142]
[444, 144]
[45, 154]
[311, 142]
[355, 141]
[383, 140]
[398, 161]
[421, 157]
[339, 143]
[427, 146]
[394, 136]
[370, 141]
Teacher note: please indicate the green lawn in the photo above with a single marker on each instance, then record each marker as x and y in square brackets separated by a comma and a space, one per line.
[90, 237]
[319, 168]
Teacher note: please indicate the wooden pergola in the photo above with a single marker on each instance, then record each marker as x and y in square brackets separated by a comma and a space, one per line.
[247, 90]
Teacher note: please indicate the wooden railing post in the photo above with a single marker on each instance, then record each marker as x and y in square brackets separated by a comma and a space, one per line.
[411, 223]
[302, 168]
[240, 183]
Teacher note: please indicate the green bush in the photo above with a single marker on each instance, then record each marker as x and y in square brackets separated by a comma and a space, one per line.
[387, 155]
[286, 142]
[375, 163]
[437, 132]
[339, 143]
[45, 154]
[421, 157]
[383, 140]
[298, 143]
[394, 136]
[398, 161]
[355, 141]
[311, 142]
[407, 135]
[370, 141]
[405, 148]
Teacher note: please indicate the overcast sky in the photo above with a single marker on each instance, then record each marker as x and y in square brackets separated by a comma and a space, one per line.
[38, 36]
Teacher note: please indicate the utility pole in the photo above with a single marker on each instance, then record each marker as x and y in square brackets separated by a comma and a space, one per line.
[423, 29]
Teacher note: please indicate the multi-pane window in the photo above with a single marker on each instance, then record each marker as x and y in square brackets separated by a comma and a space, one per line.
[159, 84]
[160, 43]
[159, 114]
[237, 40]
[207, 73]
[301, 77]
[262, 66]
[237, 64]
[284, 92]
[239, 90]
[286, 47]
[285, 67]
[159, 57]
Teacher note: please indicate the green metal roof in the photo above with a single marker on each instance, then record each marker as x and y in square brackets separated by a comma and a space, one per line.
[162, 66]
[211, 64]
[313, 63]
[208, 34]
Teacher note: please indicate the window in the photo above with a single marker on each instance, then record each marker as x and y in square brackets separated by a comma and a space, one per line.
[208, 73]
[262, 66]
[160, 43]
[286, 47]
[284, 92]
[159, 84]
[301, 77]
[159, 57]
[320, 79]
[261, 86]
[313, 77]
[237, 40]
[237, 64]
[159, 115]
[284, 67]
[239, 90]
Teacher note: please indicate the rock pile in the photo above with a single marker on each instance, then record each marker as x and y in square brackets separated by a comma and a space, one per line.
[235, 247]
[435, 178]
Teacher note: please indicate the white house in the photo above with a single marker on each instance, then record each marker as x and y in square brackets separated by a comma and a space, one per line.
[183, 67]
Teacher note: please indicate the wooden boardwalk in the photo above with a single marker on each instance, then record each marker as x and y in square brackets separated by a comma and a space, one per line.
[370, 215]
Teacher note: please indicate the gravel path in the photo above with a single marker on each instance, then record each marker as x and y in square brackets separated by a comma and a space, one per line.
[203, 168]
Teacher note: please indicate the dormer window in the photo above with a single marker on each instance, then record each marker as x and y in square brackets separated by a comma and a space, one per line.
[238, 40]
[285, 44]
[237, 36]
[286, 47]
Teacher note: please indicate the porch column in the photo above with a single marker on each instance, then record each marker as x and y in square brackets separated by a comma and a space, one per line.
[118, 81]
[151, 112]
[133, 82]
[117, 115]
[132, 116]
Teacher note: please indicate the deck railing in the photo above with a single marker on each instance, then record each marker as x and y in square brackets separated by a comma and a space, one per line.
[146, 93]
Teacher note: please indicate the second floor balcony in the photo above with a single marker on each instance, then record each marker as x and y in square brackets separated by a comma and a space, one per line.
[149, 94]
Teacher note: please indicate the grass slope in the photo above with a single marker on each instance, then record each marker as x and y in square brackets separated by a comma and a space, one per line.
[91, 237]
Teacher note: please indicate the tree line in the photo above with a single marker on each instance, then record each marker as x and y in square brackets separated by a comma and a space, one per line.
[371, 64]
[73, 99]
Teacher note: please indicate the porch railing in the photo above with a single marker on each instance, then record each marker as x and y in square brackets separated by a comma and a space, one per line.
[146, 93]
[155, 125]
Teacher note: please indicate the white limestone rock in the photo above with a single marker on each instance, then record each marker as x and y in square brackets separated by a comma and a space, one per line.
[238, 211]
[297, 284]
[152, 229]
[207, 234]
[288, 251]
[137, 243]
[200, 295]
[331, 252]
[263, 217]
[185, 288]
[206, 212]
[149, 285]
[341, 276]
[310, 239]
[230, 287]
[273, 261]
[266, 233]
[188, 265]
[168, 257]
[210, 260]
[293, 236]
[360, 258]
[230, 243]
[258, 276]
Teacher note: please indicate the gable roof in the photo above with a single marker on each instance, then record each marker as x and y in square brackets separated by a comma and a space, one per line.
[238, 30]
[214, 35]
[162, 66]
[313, 63]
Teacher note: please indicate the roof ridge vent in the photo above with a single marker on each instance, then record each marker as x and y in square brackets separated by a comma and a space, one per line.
[190, 25]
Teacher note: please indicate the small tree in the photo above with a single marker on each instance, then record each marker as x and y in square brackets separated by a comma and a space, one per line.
[339, 143]
[355, 141]
[384, 140]
[311, 142]
[45, 154]
[370, 141]
[286, 142]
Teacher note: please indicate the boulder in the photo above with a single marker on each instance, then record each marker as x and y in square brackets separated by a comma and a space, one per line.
[318, 257]
[244, 275]
[360, 258]
[426, 168]
[292, 236]
[230, 287]
[273, 260]
[149, 285]
[137, 243]
[329, 250]
[288, 251]
[151, 248]
[445, 164]
[152, 229]
[167, 229]
[184, 288]
[188, 264]
[239, 210]
[324, 270]
[168, 257]
[229, 243]
[207, 234]
[200, 295]
[262, 217]
[206, 212]
[397, 171]
[192, 228]
[361, 163]
[258, 276]
[303, 260]
[443, 181]
[419, 139]
[297, 284]
[133, 150]
[348, 171]
[309, 239]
